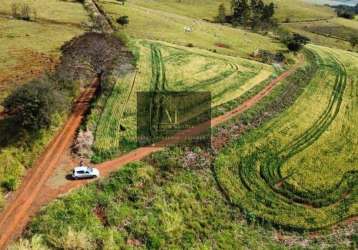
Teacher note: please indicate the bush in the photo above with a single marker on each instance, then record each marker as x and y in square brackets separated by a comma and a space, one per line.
[122, 20]
[190, 45]
[10, 184]
[32, 105]
[345, 14]
[295, 42]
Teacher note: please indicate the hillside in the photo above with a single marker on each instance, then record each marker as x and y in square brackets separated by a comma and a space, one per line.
[29, 48]
[295, 10]
[280, 169]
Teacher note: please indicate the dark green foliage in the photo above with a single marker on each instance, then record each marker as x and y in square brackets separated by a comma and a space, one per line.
[294, 42]
[33, 104]
[122, 20]
[255, 14]
[10, 184]
[241, 12]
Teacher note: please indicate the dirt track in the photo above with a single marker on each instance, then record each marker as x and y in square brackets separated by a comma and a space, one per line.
[16, 214]
[34, 192]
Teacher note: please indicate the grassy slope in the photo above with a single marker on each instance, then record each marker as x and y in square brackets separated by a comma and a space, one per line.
[167, 201]
[334, 32]
[56, 10]
[26, 50]
[146, 23]
[154, 207]
[185, 69]
[26, 46]
[315, 141]
[296, 10]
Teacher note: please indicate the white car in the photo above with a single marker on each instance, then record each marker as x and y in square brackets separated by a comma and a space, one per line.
[82, 172]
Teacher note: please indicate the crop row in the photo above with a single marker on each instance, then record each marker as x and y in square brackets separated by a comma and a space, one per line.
[252, 179]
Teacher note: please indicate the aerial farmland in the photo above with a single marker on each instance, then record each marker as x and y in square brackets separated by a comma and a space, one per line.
[247, 139]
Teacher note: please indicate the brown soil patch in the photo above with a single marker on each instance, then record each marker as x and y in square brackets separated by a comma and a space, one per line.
[30, 65]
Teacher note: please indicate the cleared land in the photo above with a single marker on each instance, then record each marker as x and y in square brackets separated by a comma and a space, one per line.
[172, 68]
[335, 32]
[29, 48]
[303, 175]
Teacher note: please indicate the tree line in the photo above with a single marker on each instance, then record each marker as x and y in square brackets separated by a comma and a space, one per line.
[251, 13]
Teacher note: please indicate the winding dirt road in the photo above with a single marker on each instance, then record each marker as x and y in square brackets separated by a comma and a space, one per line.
[34, 191]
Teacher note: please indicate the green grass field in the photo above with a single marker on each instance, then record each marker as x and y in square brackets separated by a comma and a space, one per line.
[334, 32]
[299, 170]
[172, 68]
[295, 10]
[154, 24]
[66, 12]
[296, 170]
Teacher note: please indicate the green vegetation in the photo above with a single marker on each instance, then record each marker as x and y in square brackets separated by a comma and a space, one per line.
[302, 175]
[164, 66]
[335, 32]
[145, 206]
[64, 12]
[253, 13]
[27, 50]
[294, 10]
[171, 28]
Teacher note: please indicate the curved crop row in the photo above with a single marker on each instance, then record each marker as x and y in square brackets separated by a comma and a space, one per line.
[252, 177]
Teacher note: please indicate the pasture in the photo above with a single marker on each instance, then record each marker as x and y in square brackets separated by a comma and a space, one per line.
[334, 32]
[154, 24]
[299, 171]
[29, 48]
[294, 10]
[169, 67]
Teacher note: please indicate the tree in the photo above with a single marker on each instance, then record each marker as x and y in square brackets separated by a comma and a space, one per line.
[257, 7]
[221, 18]
[256, 13]
[33, 104]
[122, 20]
[295, 42]
[241, 11]
[90, 55]
[353, 40]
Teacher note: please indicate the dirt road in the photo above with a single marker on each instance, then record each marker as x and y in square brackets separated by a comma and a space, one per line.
[16, 214]
[34, 192]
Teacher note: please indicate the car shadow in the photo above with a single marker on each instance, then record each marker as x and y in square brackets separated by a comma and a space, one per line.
[69, 177]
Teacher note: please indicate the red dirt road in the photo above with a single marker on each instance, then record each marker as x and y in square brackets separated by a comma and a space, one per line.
[34, 192]
[16, 213]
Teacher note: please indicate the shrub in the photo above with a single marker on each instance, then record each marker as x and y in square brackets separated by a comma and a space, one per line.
[122, 20]
[32, 105]
[10, 184]
[190, 45]
[75, 240]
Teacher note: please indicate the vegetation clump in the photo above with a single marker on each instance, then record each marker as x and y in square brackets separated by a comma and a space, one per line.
[255, 14]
